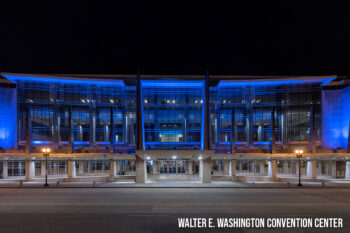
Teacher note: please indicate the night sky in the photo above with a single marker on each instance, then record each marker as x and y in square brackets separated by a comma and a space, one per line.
[251, 39]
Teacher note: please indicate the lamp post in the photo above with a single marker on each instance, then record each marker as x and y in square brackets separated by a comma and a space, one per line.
[46, 152]
[299, 155]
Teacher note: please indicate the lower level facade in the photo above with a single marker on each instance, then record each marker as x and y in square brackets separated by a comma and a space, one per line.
[149, 128]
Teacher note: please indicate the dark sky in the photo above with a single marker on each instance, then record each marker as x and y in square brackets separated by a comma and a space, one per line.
[251, 39]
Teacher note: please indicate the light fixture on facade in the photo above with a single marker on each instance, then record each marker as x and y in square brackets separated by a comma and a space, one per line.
[145, 101]
[148, 157]
[173, 101]
[174, 157]
[200, 158]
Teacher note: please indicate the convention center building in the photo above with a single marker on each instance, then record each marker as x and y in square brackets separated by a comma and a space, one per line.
[151, 128]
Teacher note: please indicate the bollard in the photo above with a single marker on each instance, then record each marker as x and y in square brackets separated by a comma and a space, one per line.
[323, 183]
[288, 184]
[94, 183]
[20, 183]
[58, 183]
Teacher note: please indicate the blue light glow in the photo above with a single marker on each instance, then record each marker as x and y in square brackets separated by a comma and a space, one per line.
[335, 118]
[8, 118]
[224, 83]
[171, 84]
[67, 80]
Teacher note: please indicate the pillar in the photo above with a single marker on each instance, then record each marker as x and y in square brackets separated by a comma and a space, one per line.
[347, 169]
[232, 168]
[81, 167]
[139, 138]
[43, 168]
[30, 170]
[190, 167]
[227, 167]
[141, 171]
[233, 136]
[155, 167]
[4, 169]
[273, 136]
[111, 132]
[272, 168]
[113, 168]
[118, 167]
[262, 168]
[205, 170]
[70, 131]
[71, 169]
[311, 169]
[28, 130]
[285, 167]
[206, 112]
[334, 169]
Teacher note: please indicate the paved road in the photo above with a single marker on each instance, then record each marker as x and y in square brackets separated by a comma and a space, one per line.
[104, 210]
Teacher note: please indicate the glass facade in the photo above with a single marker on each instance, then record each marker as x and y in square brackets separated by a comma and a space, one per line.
[240, 112]
[244, 111]
[48, 103]
[172, 114]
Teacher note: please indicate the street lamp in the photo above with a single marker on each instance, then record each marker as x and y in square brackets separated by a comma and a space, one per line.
[299, 155]
[46, 152]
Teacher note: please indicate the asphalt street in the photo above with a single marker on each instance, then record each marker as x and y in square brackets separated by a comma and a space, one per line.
[104, 210]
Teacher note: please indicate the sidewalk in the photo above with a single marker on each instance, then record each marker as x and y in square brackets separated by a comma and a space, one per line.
[214, 184]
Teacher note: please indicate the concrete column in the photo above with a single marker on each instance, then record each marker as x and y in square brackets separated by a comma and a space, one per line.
[30, 170]
[252, 166]
[334, 169]
[141, 171]
[81, 167]
[272, 168]
[155, 167]
[311, 169]
[205, 170]
[232, 168]
[113, 168]
[240, 166]
[43, 168]
[111, 132]
[205, 121]
[190, 167]
[89, 166]
[71, 169]
[139, 105]
[319, 168]
[28, 130]
[4, 169]
[285, 167]
[70, 131]
[118, 168]
[273, 136]
[262, 167]
[233, 138]
[227, 167]
[347, 169]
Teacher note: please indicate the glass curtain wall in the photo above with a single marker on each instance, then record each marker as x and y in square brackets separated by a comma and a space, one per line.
[245, 112]
[172, 114]
[49, 102]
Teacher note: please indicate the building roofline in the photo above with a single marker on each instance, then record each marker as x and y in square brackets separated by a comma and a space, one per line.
[131, 78]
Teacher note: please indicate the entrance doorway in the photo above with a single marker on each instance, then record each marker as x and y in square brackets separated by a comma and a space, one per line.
[172, 166]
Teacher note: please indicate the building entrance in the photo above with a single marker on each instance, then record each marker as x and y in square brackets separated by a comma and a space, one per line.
[172, 166]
